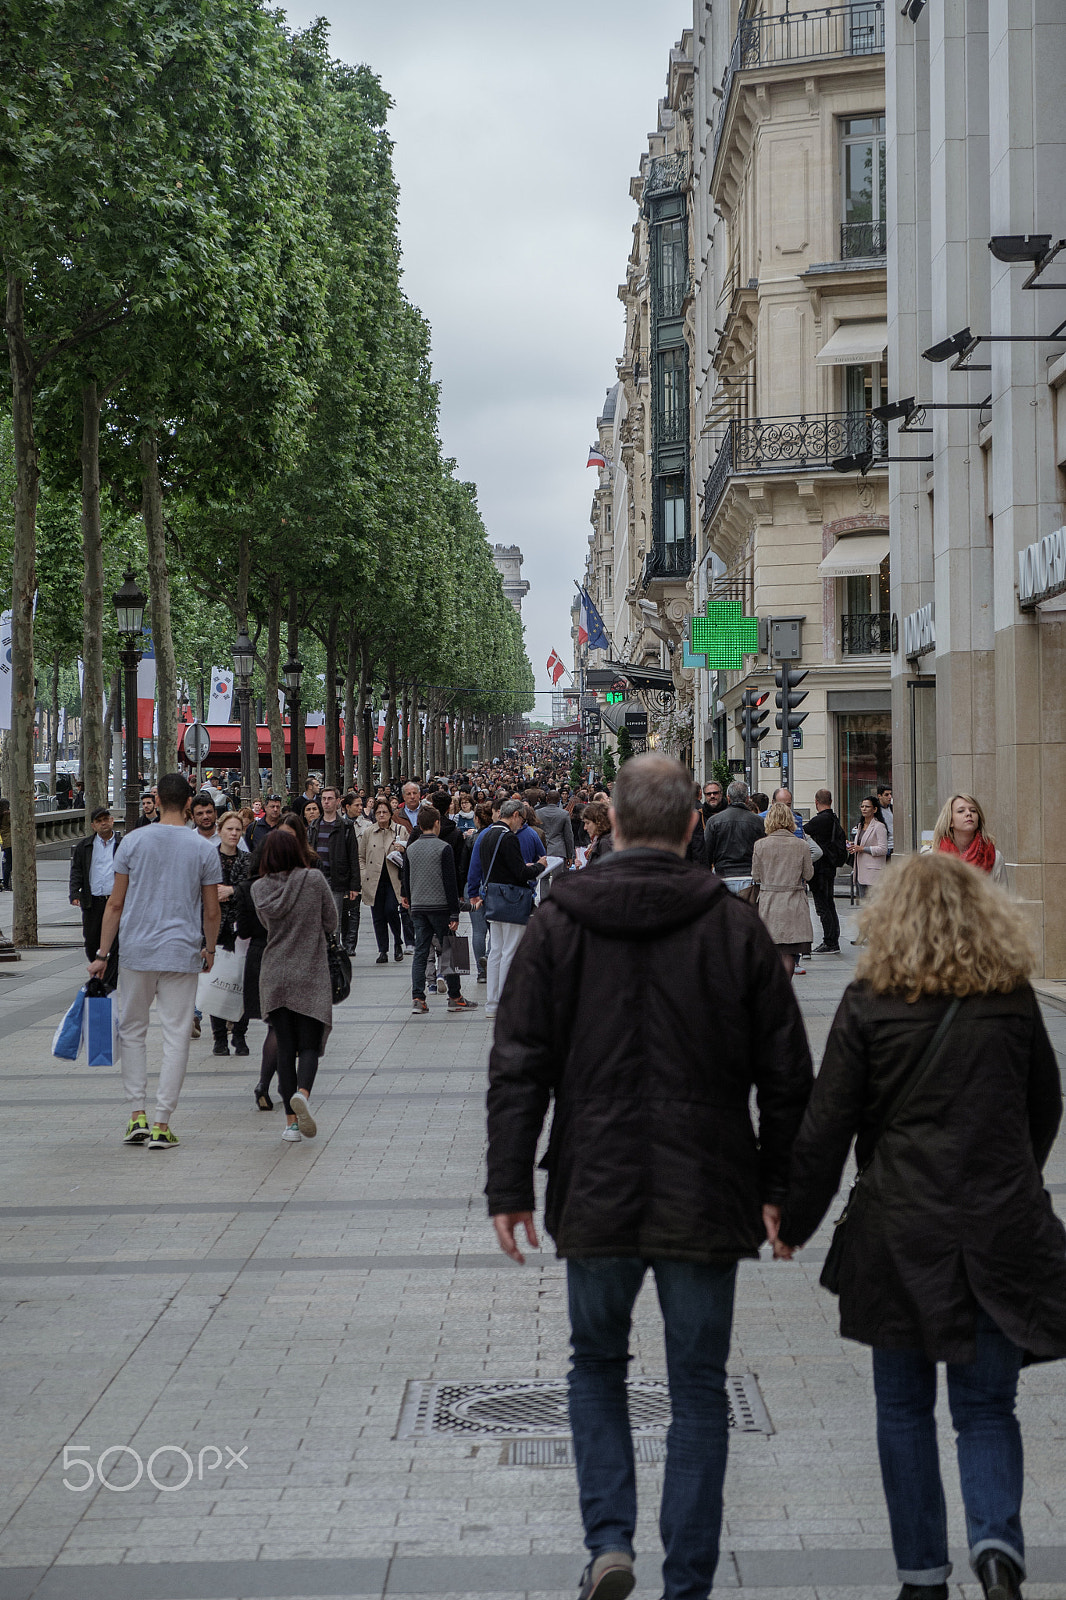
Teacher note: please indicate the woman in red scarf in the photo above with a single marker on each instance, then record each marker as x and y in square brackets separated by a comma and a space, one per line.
[960, 831]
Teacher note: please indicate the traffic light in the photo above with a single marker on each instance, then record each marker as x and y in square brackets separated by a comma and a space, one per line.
[751, 717]
[788, 718]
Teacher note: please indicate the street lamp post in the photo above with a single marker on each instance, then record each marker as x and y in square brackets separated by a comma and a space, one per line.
[129, 605]
[290, 682]
[243, 665]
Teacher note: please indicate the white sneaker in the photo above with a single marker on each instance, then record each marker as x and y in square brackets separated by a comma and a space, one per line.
[408, 949]
[304, 1120]
[292, 1135]
[442, 987]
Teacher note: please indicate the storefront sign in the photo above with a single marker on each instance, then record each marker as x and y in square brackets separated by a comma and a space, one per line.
[919, 632]
[1042, 569]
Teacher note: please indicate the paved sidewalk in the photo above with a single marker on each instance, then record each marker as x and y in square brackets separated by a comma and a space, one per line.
[262, 1307]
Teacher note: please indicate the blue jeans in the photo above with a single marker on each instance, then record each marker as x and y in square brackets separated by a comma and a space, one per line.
[479, 930]
[981, 1394]
[428, 923]
[697, 1307]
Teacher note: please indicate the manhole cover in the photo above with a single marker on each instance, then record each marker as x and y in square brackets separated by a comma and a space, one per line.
[537, 1408]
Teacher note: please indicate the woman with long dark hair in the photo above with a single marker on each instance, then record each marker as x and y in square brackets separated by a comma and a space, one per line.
[294, 903]
[380, 878]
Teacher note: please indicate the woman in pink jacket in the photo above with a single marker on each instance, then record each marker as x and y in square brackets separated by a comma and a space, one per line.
[868, 847]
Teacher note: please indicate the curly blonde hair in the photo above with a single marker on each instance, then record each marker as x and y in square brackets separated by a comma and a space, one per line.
[935, 926]
[779, 818]
[942, 826]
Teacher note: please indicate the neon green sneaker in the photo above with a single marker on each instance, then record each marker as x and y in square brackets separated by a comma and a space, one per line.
[162, 1138]
[137, 1129]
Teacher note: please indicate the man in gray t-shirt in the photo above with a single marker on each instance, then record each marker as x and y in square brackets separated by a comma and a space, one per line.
[166, 880]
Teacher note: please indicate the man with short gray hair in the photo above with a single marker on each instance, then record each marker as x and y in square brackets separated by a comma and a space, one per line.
[647, 1002]
[730, 838]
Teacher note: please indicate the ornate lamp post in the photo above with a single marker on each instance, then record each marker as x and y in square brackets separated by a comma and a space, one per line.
[243, 666]
[290, 682]
[129, 605]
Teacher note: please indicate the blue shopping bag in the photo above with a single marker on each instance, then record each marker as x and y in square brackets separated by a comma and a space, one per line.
[101, 1029]
[70, 1035]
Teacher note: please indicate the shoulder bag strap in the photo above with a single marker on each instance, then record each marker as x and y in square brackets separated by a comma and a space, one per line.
[495, 853]
[920, 1072]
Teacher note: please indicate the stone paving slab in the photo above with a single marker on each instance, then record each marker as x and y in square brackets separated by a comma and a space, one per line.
[274, 1300]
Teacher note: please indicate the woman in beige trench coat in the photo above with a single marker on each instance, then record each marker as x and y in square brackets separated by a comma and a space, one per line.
[781, 865]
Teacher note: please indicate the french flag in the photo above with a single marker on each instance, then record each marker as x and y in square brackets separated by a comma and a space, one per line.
[146, 687]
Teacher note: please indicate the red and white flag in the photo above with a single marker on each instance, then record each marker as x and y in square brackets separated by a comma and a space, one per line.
[596, 458]
[556, 666]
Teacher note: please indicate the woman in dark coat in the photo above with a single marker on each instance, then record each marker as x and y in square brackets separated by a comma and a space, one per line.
[952, 1251]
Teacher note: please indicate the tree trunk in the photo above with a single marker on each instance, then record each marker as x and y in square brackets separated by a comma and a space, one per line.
[271, 672]
[166, 677]
[351, 669]
[94, 731]
[53, 754]
[23, 584]
[388, 754]
[297, 759]
[406, 753]
[333, 754]
[366, 740]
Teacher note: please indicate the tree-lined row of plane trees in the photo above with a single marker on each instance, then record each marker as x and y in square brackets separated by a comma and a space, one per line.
[208, 341]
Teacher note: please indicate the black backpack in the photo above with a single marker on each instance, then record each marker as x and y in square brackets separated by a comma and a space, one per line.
[835, 850]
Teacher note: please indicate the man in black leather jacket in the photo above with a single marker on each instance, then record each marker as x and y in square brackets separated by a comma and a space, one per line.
[730, 838]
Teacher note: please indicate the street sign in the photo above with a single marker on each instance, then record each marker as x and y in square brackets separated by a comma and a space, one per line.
[197, 743]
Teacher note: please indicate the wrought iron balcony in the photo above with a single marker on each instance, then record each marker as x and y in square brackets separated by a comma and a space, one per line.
[866, 633]
[791, 444]
[670, 427]
[667, 561]
[857, 29]
[670, 297]
[861, 239]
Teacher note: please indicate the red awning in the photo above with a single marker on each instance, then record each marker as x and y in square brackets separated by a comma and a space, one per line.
[226, 741]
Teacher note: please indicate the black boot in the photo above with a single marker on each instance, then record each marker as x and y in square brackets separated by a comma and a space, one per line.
[240, 1043]
[918, 1591]
[1000, 1578]
[218, 1033]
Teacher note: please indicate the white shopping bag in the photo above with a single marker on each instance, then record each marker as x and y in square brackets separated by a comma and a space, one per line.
[220, 992]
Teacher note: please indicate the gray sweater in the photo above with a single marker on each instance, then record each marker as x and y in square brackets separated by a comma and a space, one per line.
[428, 875]
[297, 910]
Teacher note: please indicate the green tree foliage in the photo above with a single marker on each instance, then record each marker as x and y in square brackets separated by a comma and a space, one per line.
[625, 744]
[610, 771]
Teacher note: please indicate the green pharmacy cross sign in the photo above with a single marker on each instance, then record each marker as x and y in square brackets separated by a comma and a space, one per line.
[724, 635]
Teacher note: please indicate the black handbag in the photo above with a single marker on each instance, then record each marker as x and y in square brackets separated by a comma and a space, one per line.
[506, 902]
[831, 1272]
[340, 969]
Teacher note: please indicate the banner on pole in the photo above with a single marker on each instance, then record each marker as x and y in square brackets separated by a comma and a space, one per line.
[220, 702]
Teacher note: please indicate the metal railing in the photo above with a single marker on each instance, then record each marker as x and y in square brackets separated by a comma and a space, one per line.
[861, 239]
[667, 561]
[791, 444]
[857, 29]
[670, 427]
[866, 633]
[670, 297]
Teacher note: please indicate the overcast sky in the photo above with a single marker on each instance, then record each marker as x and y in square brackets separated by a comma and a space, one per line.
[516, 130]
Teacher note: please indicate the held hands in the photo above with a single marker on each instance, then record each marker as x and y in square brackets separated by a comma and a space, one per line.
[506, 1225]
[475, 901]
[771, 1216]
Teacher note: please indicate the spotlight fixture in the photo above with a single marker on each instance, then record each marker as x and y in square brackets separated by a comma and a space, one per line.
[1017, 247]
[862, 462]
[913, 9]
[895, 409]
[958, 345]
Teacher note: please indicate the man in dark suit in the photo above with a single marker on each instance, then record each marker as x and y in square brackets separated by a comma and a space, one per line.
[92, 878]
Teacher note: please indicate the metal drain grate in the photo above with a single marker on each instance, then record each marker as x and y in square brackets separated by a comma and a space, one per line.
[537, 1408]
[560, 1452]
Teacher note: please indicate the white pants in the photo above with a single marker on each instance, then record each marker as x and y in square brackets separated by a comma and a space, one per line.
[504, 939]
[175, 996]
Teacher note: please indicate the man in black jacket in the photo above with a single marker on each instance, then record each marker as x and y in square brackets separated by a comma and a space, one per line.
[336, 843]
[92, 878]
[653, 1159]
[730, 838]
[826, 831]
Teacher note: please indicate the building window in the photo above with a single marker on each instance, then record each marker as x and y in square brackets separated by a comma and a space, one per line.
[866, 617]
[607, 583]
[607, 519]
[671, 267]
[672, 397]
[862, 167]
[864, 388]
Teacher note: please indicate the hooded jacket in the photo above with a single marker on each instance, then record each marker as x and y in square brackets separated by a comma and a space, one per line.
[645, 1000]
[297, 911]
